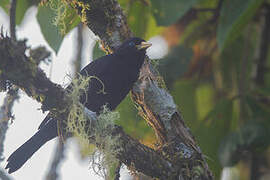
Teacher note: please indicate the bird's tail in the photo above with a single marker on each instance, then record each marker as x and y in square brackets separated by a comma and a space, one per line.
[25, 151]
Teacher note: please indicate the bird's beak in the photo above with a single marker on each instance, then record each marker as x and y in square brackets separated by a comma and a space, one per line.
[143, 45]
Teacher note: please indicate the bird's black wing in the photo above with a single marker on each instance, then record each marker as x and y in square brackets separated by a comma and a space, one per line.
[48, 127]
[95, 68]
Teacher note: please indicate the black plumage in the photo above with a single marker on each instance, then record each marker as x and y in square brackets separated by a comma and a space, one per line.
[117, 72]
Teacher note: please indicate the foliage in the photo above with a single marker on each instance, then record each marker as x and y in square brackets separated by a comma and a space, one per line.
[234, 16]
[61, 18]
[177, 61]
[21, 8]
[168, 12]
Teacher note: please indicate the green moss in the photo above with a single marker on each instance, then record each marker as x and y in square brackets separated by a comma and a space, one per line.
[80, 126]
[76, 122]
[40, 98]
[104, 158]
[60, 9]
[83, 6]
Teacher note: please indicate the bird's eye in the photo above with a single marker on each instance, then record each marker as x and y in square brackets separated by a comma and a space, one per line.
[131, 44]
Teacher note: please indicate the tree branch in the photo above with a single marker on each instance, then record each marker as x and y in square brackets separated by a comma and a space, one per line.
[11, 97]
[79, 44]
[264, 46]
[58, 157]
[178, 156]
[5, 116]
[22, 71]
[107, 20]
[33, 81]
[13, 19]
[3, 175]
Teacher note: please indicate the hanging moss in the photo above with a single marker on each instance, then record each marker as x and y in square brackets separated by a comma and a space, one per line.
[81, 127]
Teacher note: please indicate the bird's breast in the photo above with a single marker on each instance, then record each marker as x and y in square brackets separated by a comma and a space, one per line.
[111, 87]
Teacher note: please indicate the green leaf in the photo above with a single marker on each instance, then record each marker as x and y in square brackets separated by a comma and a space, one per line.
[205, 100]
[140, 19]
[222, 108]
[184, 93]
[218, 124]
[56, 19]
[168, 12]
[234, 16]
[175, 64]
[71, 20]
[152, 28]
[192, 101]
[138, 25]
[132, 123]
[258, 109]
[21, 8]
[251, 137]
[50, 31]
[227, 154]
[5, 5]
[97, 52]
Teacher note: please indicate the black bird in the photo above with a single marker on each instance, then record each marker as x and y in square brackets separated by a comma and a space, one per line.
[117, 72]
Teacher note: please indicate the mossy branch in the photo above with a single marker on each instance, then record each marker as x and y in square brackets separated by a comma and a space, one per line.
[106, 19]
[19, 69]
[23, 71]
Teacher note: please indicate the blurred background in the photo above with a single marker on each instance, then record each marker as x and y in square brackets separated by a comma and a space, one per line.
[214, 58]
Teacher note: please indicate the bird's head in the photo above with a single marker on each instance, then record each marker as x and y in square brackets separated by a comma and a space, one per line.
[133, 45]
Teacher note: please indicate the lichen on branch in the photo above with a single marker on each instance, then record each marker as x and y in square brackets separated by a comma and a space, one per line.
[106, 19]
[19, 69]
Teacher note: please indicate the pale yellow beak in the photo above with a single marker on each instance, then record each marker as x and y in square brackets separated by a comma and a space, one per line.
[143, 45]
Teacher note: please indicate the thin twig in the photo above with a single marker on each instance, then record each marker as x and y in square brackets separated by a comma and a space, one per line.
[58, 157]
[5, 116]
[264, 46]
[256, 159]
[60, 149]
[217, 13]
[145, 2]
[242, 84]
[79, 47]
[13, 19]
[3, 175]
[117, 171]
[12, 95]
[205, 9]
